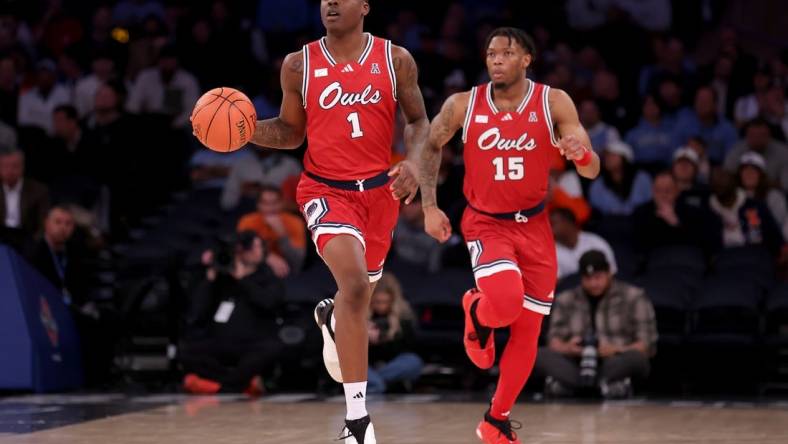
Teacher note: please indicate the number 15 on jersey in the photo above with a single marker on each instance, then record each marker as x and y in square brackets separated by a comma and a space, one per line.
[511, 168]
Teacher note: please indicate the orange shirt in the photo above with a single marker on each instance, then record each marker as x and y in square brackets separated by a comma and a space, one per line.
[576, 205]
[294, 227]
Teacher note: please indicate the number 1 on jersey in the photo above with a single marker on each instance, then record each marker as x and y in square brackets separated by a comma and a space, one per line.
[355, 124]
[516, 169]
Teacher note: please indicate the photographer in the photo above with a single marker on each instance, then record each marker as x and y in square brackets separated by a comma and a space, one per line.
[602, 322]
[232, 319]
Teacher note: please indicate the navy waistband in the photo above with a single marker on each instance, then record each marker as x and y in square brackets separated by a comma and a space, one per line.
[353, 185]
[517, 216]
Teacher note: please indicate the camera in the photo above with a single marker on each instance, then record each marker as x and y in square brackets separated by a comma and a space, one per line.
[588, 360]
[224, 255]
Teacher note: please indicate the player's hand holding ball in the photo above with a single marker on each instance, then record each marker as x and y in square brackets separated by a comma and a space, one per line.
[436, 224]
[224, 119]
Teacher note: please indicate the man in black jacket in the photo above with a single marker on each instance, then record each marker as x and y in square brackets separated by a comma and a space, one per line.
[232, 328]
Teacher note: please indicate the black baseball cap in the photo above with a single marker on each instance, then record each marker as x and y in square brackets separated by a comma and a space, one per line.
[592, 262]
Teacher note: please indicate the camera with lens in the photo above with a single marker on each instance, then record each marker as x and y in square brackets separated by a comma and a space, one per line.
[588, 360]
[224, 255]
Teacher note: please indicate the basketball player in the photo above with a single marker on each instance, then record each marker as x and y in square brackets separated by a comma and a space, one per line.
[341, 92]
[510, 127]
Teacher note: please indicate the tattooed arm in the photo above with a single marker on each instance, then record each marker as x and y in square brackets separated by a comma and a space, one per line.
[574, 144]
[289, 129]
[417, 125]
[442, 129]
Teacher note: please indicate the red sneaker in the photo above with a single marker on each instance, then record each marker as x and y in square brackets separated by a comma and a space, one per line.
[255, 388]
[199, 386]
[493, 431]
[478, 340]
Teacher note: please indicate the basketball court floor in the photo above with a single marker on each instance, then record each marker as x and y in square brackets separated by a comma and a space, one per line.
[174, 419]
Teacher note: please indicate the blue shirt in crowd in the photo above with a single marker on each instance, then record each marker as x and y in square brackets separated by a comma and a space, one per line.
[652, 143]
[608, 202]
[719, 137]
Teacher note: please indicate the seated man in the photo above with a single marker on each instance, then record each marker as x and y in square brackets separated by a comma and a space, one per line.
[284, 233]
[23, 202]
[603, 322]
[231, 321]
[667, 220]
[571, 243]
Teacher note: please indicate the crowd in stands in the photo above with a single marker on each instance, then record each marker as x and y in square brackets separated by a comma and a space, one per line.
[689, 117]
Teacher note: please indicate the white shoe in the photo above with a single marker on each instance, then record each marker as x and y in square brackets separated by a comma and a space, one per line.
[323, 312]
[358, 427]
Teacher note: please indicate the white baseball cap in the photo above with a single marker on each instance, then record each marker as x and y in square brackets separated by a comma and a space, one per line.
[620, 148]
[688, 153]
[754, 159]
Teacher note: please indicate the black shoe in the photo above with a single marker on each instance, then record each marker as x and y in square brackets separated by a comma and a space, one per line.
[323, 312]
[621, 389]
[358, 431]
[491, 429]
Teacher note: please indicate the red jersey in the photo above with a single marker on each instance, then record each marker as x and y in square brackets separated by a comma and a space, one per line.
[507, 154]
[349, 110]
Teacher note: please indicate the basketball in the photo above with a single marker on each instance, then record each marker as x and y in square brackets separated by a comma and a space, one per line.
[224, 119]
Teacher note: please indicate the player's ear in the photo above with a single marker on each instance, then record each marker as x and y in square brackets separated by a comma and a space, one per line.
[527, 59]
[365, 8]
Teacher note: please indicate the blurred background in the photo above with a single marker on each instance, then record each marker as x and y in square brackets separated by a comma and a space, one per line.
[141, 260]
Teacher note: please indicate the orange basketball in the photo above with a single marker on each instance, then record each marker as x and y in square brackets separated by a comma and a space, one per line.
[224, 119]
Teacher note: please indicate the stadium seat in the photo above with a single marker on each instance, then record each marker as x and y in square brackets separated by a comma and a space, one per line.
[684, 258]
[727, 307]
[751, 262]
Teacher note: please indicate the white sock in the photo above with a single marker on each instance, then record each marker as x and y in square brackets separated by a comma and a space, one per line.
[333, 321]
[356, 399]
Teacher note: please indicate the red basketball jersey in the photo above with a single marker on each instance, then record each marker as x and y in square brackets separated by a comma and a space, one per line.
[507, 154]
[350, 111]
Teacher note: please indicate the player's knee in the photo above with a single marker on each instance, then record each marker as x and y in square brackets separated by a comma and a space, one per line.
[506, 301]
[354, 292]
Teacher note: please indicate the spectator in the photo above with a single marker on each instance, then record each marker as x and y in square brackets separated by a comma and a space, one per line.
[672, 63]
[60, 259]
[571, 243]
[749, 106]
[210, 169]
[698, 145]
[37, 104]
[231, 322]
[666, 220]
[8, 139]
[718, 132]
[671, 99]
[753, 180]
[601, 133]
[270, 167]
[602, 318]
[165, 89]
[775, 111]
[720, 82]
[413, 245]
[745, 221]
[564, 191]
[23, 202]
[283, 233]
[9, 91]
[622, 187]
[614, 108]
[686, 165]
[652, 138]
[103, 70]
[758, 138]
[132, 12]
[391, 331]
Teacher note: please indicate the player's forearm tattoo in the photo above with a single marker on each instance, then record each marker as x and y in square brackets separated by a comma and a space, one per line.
[417, 125]
[273, 133]
[431, 156]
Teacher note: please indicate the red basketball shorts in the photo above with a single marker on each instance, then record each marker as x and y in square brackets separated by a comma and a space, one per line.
[525, 247]
[370, 216]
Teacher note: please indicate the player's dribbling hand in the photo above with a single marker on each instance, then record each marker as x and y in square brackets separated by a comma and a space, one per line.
[571, 147]
[405, 183]
[436, 224]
